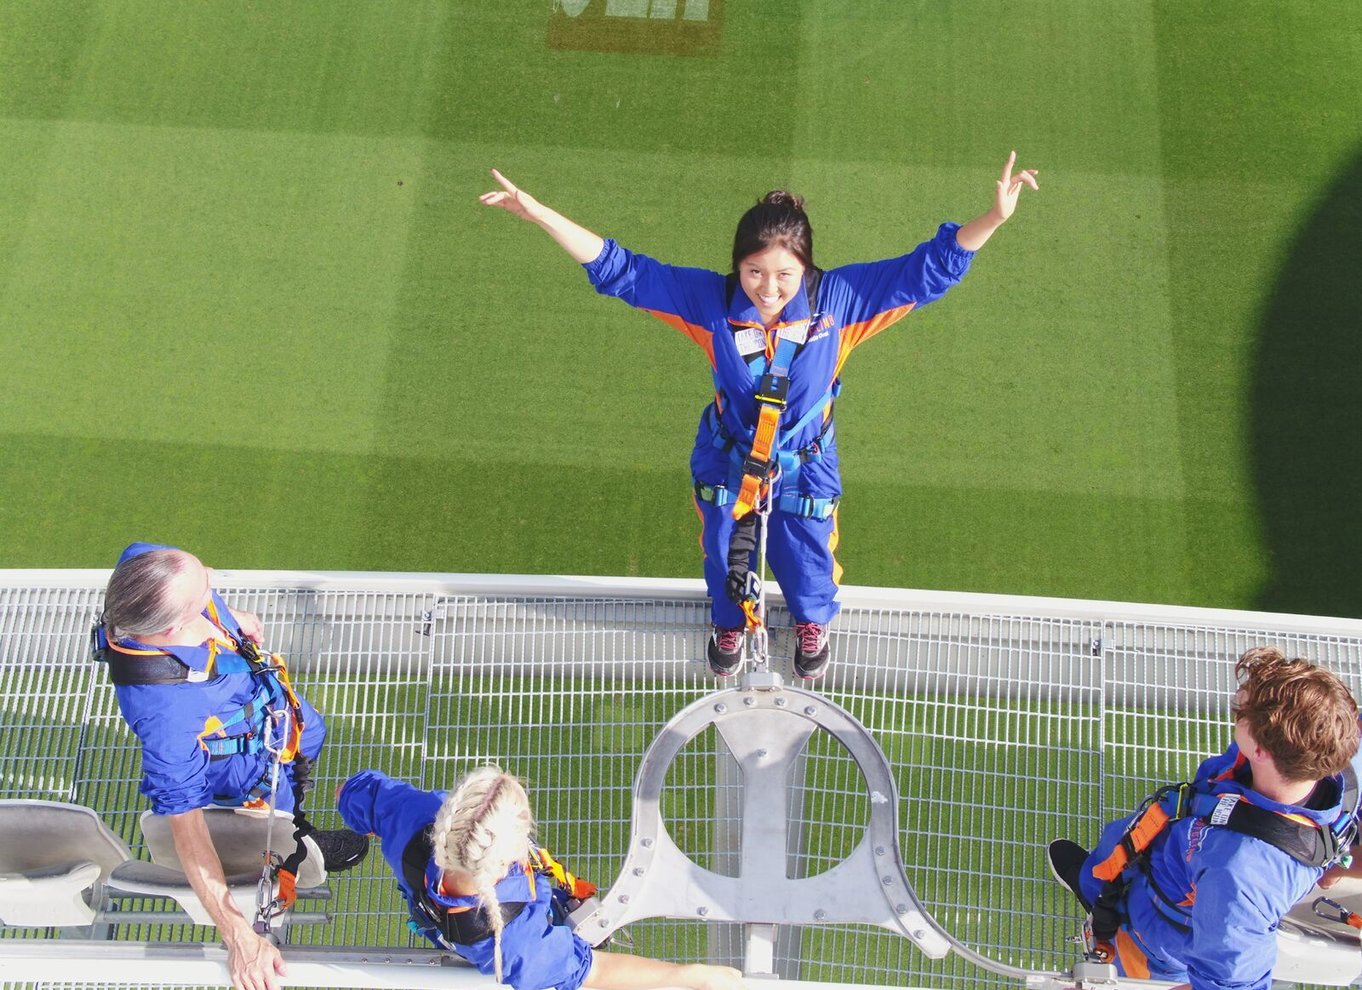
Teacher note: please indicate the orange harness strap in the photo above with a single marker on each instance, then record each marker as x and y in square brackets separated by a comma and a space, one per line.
[1135, 841]
[758, 466]
[770, 396]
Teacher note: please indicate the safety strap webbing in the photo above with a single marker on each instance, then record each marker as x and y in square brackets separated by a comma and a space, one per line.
[1139, 836]
[1306, 842]
[770, 396]
[791, 503]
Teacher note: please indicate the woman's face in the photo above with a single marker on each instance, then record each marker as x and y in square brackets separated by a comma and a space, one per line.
[771, 278]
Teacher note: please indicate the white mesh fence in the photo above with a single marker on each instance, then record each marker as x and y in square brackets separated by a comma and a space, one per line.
[1004, 730]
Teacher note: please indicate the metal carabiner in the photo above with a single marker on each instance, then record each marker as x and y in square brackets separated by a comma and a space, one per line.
[1337, 912]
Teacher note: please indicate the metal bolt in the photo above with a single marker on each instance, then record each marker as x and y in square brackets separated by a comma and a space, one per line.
[781, 702]
[761, 753]
[604, 922]
[901, 908]
[820, 915]
[647, 843]
[749, 701]
[721, 708]
[879, 850]
[919, 933]
[810, 710]
[887, 881]
[702, 911]
[624, 898]
[638, 871]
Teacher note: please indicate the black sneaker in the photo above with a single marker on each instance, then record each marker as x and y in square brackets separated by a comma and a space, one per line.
[725, 650]
[341, 848]
[1066, 861]
[811, 650]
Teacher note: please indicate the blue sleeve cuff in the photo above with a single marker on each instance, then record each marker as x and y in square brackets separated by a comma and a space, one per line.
[168, 799]
[953, 257]
[355, 800]
[601, 267]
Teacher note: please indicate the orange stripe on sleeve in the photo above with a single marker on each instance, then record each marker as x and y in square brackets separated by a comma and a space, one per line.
[698, 334]
[855, 334]
[833, 539]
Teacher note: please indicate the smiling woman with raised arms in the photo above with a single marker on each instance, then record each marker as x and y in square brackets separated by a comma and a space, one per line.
[776, 331]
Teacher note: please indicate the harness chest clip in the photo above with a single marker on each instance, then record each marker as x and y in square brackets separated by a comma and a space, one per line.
[753, 468]
[773, 389]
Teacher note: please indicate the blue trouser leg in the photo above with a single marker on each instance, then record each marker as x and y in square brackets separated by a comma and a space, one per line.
[314, 730]
[310, 746]
[716, 532]
[800, 551]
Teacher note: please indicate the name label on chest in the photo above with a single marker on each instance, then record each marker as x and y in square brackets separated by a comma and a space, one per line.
[1224, 808]
[750, 340]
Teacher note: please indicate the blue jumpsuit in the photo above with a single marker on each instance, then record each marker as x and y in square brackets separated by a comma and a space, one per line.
[536, 952]
[1231, 889]
[853, 303]
[178, 774]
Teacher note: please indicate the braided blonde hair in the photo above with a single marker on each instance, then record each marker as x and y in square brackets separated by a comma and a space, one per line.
[483, 827]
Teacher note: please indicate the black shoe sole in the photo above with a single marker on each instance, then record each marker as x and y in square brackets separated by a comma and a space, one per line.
[1069, 883]
[350, 862]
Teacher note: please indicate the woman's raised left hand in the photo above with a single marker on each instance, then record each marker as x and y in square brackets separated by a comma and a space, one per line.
[1009, 187]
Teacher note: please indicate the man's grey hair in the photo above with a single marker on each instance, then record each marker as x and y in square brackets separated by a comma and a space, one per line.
[137, 602]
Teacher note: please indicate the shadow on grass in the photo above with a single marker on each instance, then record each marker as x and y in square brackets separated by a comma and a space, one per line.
[1306, 414]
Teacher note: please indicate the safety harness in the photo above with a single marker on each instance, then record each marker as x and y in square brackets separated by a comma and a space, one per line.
[460, 920]
[764, 450]
[271, 721]
[1304, 841]
[239, 732]
[761, 459]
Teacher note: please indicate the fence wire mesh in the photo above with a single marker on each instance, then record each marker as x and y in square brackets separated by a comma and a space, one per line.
[1003, 732]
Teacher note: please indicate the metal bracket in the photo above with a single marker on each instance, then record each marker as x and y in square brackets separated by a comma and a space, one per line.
[766, 727]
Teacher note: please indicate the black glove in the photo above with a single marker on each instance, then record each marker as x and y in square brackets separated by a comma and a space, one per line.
[740, 548]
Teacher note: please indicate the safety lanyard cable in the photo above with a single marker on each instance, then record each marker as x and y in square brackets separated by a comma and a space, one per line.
[267, 906]
[754, 599]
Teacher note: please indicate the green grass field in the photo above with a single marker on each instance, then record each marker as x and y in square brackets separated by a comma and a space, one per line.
[250, 304]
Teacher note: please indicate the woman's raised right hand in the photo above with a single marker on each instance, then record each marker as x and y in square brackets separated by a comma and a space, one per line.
[512, 199]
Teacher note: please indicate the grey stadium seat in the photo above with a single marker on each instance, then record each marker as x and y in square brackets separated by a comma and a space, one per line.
[55, 859]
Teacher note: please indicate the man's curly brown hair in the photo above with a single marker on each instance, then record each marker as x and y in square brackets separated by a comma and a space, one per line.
[1301, 714]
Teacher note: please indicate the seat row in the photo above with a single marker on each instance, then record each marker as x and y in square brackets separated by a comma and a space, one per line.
[61, 866]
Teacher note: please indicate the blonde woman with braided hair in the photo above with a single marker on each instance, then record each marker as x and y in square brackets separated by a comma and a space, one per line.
[483, 830]
[475, 883]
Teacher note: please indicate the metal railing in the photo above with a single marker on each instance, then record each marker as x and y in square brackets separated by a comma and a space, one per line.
[1006, 721]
